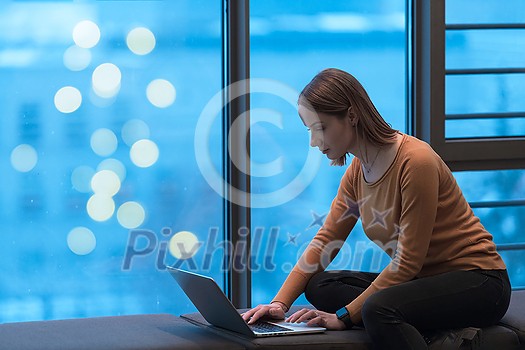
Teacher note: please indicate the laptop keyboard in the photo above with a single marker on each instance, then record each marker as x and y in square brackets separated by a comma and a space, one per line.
[264, 327]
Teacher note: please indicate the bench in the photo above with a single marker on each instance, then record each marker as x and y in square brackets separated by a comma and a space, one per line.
[190, 331]
[509, 334]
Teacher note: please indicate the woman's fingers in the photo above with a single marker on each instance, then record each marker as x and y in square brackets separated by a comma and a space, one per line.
[318, 320]
[295, 315]
[302, 315]
[307, 316]
[248, 314]
[274, 311]
[258, 314]
[311, 317]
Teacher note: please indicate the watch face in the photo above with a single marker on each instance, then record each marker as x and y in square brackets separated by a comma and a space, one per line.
[342, 312]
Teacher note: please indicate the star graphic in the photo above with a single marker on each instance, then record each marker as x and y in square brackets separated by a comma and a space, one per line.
[352, 208]
[379, 218]
[398, 231]
[318, 219]
[292, 239]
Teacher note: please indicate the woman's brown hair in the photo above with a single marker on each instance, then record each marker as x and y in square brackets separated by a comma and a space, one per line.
[339, 93]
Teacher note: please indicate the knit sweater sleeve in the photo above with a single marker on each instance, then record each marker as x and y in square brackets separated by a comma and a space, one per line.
[323, 248]
[419, 185]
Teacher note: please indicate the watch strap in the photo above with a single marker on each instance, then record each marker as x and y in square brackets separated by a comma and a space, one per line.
[343, 315]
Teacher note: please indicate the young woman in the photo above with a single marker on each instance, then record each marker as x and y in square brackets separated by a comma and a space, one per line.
[445, 271]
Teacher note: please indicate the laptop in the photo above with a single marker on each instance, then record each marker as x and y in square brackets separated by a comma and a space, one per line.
[217, 309]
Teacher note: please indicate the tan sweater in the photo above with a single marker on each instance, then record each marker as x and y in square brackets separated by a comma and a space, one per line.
[415, 212]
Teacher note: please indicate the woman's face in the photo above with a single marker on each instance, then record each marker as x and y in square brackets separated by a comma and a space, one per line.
[333, 136]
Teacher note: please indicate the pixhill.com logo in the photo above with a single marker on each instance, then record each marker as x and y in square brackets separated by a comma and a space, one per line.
[269, 251]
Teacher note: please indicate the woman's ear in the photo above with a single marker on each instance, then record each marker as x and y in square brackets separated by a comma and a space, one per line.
[354, 119]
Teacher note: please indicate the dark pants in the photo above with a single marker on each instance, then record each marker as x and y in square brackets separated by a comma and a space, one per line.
[394, 317]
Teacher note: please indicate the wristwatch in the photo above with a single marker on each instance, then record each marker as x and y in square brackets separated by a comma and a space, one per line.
[343, 315]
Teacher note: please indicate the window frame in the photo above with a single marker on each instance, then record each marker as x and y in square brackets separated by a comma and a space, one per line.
[426, 106]
[236, 164]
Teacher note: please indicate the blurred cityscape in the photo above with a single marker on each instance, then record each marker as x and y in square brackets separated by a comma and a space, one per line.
[105, 173]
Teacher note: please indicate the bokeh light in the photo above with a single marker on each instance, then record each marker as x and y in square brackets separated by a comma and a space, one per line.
[144, 153]
[161, 93]
[81, 240]
[100, 207]
[81, 178]
[68, 99]
[134, 130]
[140, 41]
[104, 142]
[24, 158]
[106, 80]
[77, 58]
[115, 166]
[105, 182]
[131, 215]
[183, 245]
[86, 34]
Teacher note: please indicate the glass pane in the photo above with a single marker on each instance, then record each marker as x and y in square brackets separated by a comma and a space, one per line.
[485, 48]
[494, 185]
[504, 223]
[485, 93]
[290, 43]
[486, 11]
[99, 104]
[490, 127]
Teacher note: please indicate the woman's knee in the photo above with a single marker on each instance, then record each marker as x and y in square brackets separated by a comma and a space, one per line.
[377, 308]
[313, 291]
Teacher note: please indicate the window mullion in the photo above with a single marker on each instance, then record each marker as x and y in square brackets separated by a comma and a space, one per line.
[236, 151]
[428, 71]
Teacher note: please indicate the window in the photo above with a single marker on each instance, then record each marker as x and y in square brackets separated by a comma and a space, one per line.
[466, 106]
[293, 184]
[466, 77]
[498, 199]
[99, 103]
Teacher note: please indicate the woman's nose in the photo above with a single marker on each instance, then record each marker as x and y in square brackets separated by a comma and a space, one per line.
[315, 140]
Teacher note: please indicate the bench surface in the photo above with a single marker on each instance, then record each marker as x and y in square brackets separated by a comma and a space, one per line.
[163, 331]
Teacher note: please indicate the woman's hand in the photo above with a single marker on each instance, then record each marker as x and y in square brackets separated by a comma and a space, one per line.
[274, 310]
[317, 318]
